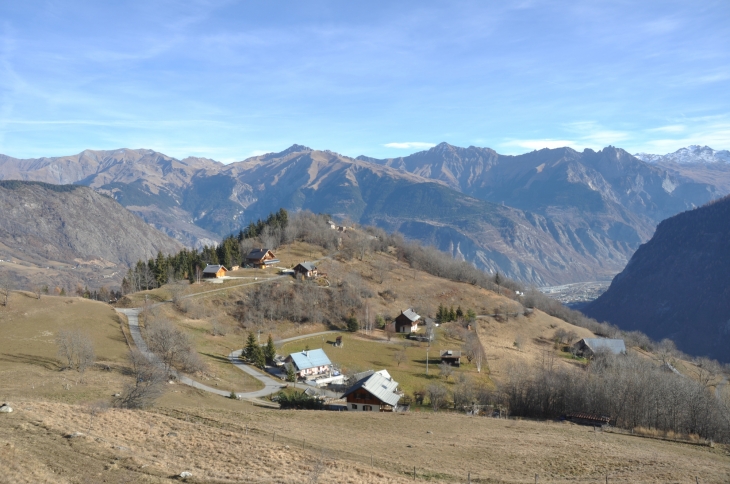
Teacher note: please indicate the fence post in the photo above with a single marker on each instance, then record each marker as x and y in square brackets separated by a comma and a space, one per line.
[414, 473]
[468, 477]
[246, 429]
[536, 478]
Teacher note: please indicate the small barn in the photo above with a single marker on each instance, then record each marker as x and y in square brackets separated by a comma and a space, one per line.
[261, 258]
[214, 271]
[310, 363]
[306, 269]
[407, 322]
[451, 357]
[376, 392]
[588, 347]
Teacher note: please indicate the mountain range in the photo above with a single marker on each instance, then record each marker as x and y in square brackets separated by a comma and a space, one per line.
[676, 285]
[551, 216]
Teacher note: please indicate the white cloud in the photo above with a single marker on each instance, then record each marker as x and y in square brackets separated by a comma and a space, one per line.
[672, 128]
[409, 145]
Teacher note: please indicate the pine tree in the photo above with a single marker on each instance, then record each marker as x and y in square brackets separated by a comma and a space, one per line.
[290, 374]
[441, 314]
[249, 351]
[452, 314]
[459, 313]
[352, 324]
[259, 360]
[269, 350]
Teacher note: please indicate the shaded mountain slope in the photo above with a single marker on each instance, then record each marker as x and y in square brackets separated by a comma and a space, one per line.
[677, 285]
[73, 228]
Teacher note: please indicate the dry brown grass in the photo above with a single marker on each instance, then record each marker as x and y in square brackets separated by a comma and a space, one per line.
[29, 366]
[129, 446]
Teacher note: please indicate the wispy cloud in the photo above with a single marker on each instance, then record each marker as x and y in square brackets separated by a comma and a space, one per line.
[538, 144]
[672, 128]
[410, 145]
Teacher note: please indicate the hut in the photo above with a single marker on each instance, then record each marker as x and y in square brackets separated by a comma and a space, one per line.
[588, 347]
[212, 271]
[451, 357]
[261, 258]
[306, 269]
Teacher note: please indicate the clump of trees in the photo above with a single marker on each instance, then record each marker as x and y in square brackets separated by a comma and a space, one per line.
[299, 401]
[254, 353]
[446, 315]
[75, 349]
[633, 391]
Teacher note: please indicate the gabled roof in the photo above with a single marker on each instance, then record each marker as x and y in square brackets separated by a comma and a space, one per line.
[212, 269]
[308, 266]
[310, 359]
[365, 374]
[378, 386]
[411, 315]
[615, 346]
[257, 254]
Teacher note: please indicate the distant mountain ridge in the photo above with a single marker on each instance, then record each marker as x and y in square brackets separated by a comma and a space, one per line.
[546, 217]
[677, 285]
[690, 154]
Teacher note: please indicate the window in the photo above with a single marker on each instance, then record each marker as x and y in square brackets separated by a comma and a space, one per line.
[354, 406]
[367, 408]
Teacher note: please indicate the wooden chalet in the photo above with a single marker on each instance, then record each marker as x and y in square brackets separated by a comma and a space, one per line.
[374, 393]
[306, 269]
[453, 358]
[261, 258]
[407, 322]
[214, 271]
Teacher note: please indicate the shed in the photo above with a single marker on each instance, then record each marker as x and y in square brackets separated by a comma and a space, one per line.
[261, 258]
[451, 357]
[214, 271]
[306, 269]
[310, 362]
[377, 392]
[588, 347]
[407, 321]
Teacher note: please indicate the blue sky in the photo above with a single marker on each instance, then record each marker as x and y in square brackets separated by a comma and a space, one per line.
[228, 80]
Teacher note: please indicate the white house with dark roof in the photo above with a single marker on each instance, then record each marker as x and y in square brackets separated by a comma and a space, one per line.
[310, 363]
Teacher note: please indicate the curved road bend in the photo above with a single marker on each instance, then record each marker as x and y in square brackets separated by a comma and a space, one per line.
[270, 385]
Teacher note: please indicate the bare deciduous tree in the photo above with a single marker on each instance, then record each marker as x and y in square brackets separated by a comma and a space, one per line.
[76, 349]
[148, 386]
[400, 356]
[437, 396]
[446, 370]
[172, 346]
[7, 284]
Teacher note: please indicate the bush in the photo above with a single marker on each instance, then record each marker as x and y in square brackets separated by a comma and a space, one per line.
[352, 324]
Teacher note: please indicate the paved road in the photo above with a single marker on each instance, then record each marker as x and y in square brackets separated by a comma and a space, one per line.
[270, 385]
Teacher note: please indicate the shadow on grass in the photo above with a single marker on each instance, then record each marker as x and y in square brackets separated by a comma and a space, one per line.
[42, 361]
[223, 359]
